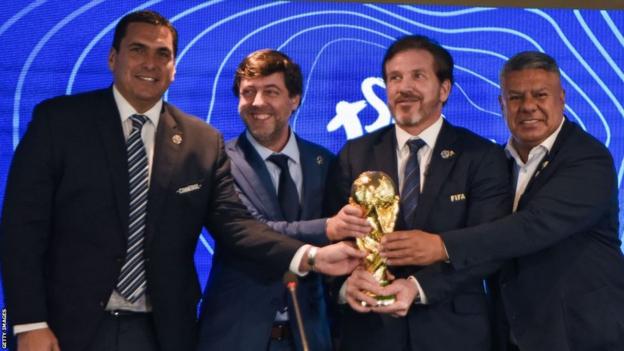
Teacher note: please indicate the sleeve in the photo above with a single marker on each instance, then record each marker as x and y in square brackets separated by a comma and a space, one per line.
[232, 226]
[27, 222]
[490, 199]
[582, 189]
[309, 231]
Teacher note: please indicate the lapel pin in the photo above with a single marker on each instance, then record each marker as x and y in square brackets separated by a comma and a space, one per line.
[544, 164]
[319, 160]
[447, 154]
[177, 139]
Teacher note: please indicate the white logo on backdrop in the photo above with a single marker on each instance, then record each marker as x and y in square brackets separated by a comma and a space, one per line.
[347, 112]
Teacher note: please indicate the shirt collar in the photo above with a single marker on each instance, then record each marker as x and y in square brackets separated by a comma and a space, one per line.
[429, 135]
[290, 149]
[546, 145]
[126, 110]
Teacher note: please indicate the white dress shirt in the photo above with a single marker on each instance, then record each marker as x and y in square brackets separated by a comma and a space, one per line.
[524, 171]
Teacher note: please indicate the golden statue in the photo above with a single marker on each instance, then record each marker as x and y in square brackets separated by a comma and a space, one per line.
[375, 193]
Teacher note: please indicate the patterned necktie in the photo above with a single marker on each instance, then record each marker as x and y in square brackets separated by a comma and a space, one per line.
[287, 190]
[132, 280]
[411, 182]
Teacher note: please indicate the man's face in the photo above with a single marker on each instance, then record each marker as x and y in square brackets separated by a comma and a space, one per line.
[415, 95]
[265, 106]
[143, 68]
[532, 101]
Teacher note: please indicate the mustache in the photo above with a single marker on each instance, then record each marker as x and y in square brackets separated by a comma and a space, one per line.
[408, 96]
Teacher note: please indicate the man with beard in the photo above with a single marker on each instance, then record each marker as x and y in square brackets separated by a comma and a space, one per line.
[562, 285]
[281, 179]
[448, 178]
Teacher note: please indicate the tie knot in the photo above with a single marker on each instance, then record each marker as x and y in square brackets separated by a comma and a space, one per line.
[138, 121]
[415, 145]
[280, 160]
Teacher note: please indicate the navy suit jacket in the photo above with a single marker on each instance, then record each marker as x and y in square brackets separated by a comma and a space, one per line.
[239, 307]
[457, 314]
[65, 219]
[562, 288]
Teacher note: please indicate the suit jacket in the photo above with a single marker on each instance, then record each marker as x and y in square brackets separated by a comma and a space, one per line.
[563, 286]
[468, 187]
[252, 302]
[65, 219]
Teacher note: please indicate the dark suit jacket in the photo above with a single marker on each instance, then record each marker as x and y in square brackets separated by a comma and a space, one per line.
[563, 287]
[456, 316]
[65, 219]
[252, 302]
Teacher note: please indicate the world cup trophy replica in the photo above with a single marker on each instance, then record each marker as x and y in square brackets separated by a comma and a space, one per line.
[375, 193]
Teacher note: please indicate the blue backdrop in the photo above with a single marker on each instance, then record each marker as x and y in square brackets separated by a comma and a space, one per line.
[60, 47]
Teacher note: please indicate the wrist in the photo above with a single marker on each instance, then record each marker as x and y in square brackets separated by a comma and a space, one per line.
[311, 259]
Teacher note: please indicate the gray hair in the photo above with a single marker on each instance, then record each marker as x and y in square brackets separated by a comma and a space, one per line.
[529, 60]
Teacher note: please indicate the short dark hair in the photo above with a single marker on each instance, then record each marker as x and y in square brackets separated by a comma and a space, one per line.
[442, 59]
[265, 62]
[529, 60]
[144, 16]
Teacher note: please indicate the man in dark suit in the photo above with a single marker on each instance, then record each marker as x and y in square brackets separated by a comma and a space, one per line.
[447, 178]
[562, 286]
[105, 199]
[269, 87]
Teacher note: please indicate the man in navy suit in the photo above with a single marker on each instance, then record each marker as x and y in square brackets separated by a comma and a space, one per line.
[448, 178]
[106, 197]
[260, 315]
[562, 286]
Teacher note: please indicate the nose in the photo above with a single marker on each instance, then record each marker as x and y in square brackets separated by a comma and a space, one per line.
[528, 104]
[258, 99]
[149, 61]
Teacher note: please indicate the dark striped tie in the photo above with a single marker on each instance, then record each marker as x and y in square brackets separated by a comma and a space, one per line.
[132, 281]
[411, 182]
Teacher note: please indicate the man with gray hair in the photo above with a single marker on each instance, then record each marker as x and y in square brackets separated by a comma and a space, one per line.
[562, 286]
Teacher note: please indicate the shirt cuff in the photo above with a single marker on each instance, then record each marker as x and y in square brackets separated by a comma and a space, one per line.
[22, 328]
[342, 294]
[421, 299]
[295, 263]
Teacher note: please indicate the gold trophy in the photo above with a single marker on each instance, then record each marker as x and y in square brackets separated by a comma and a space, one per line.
[375, 193]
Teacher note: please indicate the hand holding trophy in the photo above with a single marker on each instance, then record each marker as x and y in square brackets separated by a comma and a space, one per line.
[375, 193]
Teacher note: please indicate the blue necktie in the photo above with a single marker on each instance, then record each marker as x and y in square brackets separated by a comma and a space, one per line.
[411, 182]
[286, 190]
[132, 280]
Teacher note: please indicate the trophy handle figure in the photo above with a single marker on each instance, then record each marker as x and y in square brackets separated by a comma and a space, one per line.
[375, 193]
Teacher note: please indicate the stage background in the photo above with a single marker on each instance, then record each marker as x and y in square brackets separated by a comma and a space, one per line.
[60, 47]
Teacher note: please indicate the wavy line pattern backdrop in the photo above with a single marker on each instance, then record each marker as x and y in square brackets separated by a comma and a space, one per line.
[55, 47]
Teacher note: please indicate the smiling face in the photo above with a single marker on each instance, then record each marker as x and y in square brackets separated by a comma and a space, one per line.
[144, 66]
[532, 101]
[265, 105]
[415, 94]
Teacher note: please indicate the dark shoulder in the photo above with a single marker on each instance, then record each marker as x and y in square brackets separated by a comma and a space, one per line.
[308, 146]
[85, 101]
[473, 141]
[369, 140]
[190, 124]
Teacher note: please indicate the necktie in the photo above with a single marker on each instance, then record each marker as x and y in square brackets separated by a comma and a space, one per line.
[132, 280]
[287, 190]
[411, 182]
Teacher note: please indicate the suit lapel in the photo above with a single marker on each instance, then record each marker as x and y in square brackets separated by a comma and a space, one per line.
[311, 170]
[384, 152]
[437, 173]
[257, 178]
[546, 166]
[166, 157]
[108, 124]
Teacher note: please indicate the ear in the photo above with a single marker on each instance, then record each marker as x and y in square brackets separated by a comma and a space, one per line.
[112, 58]
[294, 102]
[445, 90]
